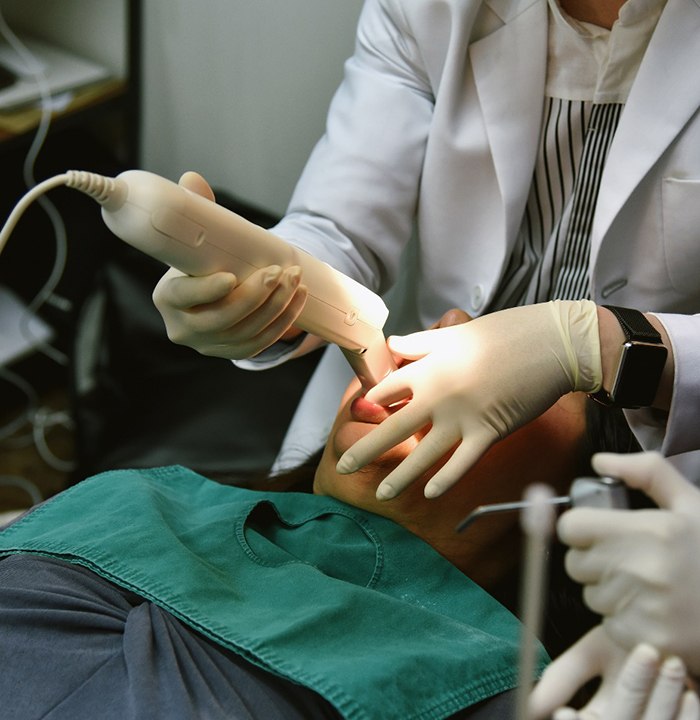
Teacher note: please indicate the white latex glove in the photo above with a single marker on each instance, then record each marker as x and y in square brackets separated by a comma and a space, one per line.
[476, 383]
[217, 316]
[641, 568]
[635, 686]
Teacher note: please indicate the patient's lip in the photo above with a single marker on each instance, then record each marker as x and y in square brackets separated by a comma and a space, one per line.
[362, 410]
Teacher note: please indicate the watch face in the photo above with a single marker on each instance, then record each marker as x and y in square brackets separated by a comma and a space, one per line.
[639, 373]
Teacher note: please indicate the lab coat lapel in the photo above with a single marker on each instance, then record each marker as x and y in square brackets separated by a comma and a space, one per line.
[509, 68]
[665, 95]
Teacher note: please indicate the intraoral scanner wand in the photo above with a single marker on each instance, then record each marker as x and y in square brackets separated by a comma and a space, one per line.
[199, 237]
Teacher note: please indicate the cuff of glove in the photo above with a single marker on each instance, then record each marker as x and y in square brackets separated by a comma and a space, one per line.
[273, 356]
[577, 322]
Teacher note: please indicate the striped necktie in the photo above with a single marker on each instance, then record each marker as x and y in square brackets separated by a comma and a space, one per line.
[572, 272]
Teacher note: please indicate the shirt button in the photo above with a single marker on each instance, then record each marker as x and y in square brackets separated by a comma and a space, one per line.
[477, 299]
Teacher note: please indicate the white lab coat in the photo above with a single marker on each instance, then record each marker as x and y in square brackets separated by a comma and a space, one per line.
[437, 122]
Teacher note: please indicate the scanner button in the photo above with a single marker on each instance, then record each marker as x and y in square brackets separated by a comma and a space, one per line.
[351, 317]
[178, 227]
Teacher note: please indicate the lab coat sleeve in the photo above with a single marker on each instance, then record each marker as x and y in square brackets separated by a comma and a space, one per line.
[677, 432]
[355, 202]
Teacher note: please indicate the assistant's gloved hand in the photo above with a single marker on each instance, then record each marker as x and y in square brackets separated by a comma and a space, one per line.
[217, 316]
[476, 383]
[635, 686]
[641, 568]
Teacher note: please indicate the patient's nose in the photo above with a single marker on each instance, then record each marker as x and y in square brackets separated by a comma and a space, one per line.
[362, 410]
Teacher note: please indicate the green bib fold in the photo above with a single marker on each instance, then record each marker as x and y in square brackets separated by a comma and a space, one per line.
[331, 597]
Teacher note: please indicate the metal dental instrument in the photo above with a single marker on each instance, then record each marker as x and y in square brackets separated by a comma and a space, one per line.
[603, 492]
[537, 520]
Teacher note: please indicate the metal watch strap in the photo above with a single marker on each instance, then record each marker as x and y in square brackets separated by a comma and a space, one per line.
[634, 324]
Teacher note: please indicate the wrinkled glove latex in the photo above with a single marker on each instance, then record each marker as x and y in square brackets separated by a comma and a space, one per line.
[217, 316]
[641, 568]
[475, 383]
[634, 686]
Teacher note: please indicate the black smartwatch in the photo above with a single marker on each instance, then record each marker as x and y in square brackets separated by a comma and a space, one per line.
[641, 363]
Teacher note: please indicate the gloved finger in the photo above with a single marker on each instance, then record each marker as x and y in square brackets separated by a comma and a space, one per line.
[417, 345]
[462, 459]
[583, 661]
[395, 387]
[592, 564]
[226, 312]
[690, 707]
[667, 691]
[182, 292]
[567, 713]
[253, 309]
[652, 474]
[252, 316]
[429, 450]
[634, 684]
[413, 346]
[582, 527]
[582, 566]
[394, 430]
[267, 336]
[607, 596]
[197, 184]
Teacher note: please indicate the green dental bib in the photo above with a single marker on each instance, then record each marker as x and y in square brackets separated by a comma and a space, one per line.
[340, 600]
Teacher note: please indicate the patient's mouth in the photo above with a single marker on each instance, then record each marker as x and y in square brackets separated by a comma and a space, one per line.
[362, 410]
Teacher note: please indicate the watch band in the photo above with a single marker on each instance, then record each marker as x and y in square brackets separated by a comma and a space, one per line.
[635, 325]
[641, 365]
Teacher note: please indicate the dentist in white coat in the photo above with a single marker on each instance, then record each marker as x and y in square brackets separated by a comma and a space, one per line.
[484, 155]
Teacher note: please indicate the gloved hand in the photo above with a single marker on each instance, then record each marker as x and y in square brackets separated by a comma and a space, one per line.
[217, 316]
[476, 383]
[637, 686]
[641, 568]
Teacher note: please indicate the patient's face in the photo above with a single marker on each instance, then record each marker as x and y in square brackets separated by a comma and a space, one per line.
[545, 451]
